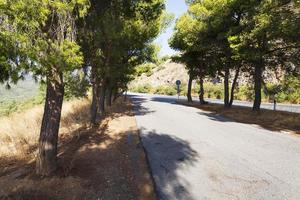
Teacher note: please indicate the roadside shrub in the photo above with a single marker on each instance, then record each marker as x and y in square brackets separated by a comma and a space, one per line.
[213, 91]
[76, 85]
[170, 91]
[142, 88]
[289, 93]
[146, 68]
[285, 92]
[166, 90]
[244, 93]
[195, 90]
[290, 90]
[183, 89]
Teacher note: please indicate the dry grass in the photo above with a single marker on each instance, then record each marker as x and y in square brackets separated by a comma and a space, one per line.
[19, 132]
[268, 119]
[105, 162]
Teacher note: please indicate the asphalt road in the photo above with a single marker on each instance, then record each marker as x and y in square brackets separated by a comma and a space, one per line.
[194, 155]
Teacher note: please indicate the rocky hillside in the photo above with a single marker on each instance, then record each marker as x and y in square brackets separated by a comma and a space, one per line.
[161, 80]
[169, 72]
[166, 74]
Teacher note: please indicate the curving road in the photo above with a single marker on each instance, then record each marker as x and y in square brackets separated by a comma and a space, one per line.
[194, 155]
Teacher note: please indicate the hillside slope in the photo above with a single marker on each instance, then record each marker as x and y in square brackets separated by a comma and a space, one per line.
[166, 74]
[169, 72]
[160, 79]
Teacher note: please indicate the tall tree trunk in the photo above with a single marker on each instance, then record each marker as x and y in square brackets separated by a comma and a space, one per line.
[95, 95]
[101, 101]
[226, 87]
[94, 106]
[257, 86]
[109, 96]
[189, 92]
[115, 95]
[201, 92]
[46, 162]
[236, 76]
[125, 95]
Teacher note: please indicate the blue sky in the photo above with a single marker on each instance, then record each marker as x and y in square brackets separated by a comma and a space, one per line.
[177, 7]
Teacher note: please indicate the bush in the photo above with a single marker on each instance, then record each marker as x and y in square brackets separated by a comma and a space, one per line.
[195, 90]
[76, 85]
[142, 88]
[166, 90]
[290, 91]
[213, 90]
[145, 69]
[244, 93]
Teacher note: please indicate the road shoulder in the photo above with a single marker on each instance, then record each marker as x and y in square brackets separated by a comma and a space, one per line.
[105, 162]
[271, 120]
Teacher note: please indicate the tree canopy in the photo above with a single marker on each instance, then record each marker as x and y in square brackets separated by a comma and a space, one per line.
[64, 43]
[235, 34]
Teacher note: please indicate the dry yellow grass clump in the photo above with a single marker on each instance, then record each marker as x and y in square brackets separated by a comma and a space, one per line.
[94, 162]
[19, 132]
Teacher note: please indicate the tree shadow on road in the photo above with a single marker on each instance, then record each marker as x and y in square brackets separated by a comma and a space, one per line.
[164, 100]
[216, 117]
[266, 119]
[139, 109]
[168, 156]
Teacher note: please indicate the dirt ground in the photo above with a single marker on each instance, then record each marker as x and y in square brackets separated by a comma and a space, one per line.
[106, 162]
[268, 119]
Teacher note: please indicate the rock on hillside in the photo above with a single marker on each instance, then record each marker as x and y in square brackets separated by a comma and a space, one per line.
[167, 74]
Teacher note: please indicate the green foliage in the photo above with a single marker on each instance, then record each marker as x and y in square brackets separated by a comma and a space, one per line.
[214, 91]
[290, 90]
[19, 22]
[77, 85]
[146, 68]
[183, 89]
[141, 88]
[165, 58]
[166, 90]
[147, 88]
[253, 35]
[245, 93]
[38, 36]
